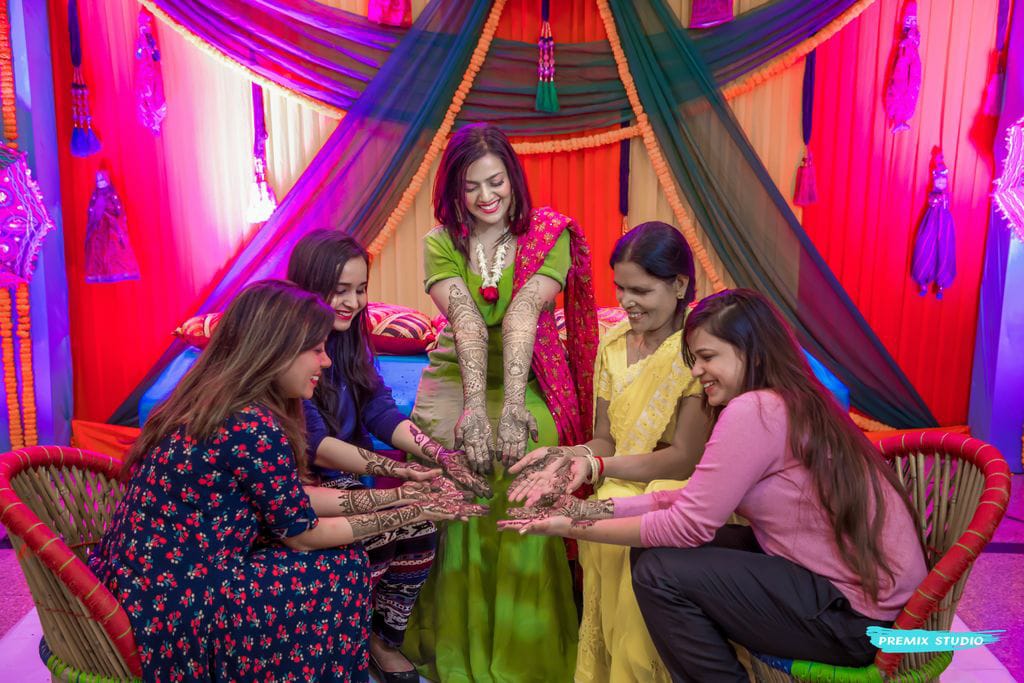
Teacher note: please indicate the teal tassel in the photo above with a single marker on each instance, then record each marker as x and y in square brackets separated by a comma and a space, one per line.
[547, 94]
[547, 97]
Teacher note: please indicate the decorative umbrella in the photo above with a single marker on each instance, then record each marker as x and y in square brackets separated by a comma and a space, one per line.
[24, 220]
[1009, 192]
[24, 223]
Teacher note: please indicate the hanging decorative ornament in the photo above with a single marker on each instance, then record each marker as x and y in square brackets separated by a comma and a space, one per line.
[24, 220]
[905, 81]
[8, 100]
[993, 102]
[624, 148]
[806, 190]
[1009, 192]
[491, 276]
[108, 253]
[708, 13]
[149, 82]
[390, 12]
[83, 140]
[934, 259]
[547, 94]
[262, 200]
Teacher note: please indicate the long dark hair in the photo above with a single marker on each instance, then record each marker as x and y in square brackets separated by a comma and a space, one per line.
[466, 146]
[263, 330]
[315, 265]
[849, 474]
[662, 252]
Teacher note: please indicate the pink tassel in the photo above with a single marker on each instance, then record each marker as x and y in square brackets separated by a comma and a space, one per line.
[708, 13]
[905, 81]
[390, 12]
[993, 102]
[806, 191]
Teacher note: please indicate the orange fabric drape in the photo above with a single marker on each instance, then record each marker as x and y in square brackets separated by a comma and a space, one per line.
[873, 185]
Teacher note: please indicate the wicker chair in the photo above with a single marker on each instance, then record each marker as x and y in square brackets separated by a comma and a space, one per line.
[960, 488]
[55, 503]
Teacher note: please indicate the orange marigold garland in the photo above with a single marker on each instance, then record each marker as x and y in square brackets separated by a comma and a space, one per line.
[8, 100]
[476, 61]
[10, 374]
[28, 380]
[576, 143]
[667, 182]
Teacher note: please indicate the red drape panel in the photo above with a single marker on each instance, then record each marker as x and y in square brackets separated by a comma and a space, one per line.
[583, 184]
[116, 329]
[873, 185]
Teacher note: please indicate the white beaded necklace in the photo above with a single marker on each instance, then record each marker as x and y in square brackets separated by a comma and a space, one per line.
[491, 276]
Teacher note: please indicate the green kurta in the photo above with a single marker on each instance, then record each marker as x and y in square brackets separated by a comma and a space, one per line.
[498, 606]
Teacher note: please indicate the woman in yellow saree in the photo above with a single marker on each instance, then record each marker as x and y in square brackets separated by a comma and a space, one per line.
[649, 433]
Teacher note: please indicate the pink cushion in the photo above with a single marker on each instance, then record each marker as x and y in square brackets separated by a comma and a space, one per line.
[394, 330]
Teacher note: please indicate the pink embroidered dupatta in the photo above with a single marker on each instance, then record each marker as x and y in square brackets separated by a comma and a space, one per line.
[565, 376]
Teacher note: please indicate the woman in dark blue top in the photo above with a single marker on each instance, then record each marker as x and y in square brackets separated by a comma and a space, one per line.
[352, 402]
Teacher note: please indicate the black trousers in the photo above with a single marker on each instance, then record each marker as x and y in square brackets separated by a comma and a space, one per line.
[696, 599]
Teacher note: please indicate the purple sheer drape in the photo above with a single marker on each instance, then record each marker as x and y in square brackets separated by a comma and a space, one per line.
[330, 56]
[326, 54]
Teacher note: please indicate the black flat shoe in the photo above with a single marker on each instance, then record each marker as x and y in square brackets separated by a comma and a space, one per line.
[410, 676]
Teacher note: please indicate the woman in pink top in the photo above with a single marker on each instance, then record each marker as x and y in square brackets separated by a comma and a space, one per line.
[832, 546]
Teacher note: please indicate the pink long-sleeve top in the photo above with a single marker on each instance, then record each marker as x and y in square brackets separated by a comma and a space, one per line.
[747, 468]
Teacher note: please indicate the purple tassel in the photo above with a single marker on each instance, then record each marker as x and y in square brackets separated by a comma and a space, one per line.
[390, 12]
[708, 13]
[83, 140]
[149, 83]
[905, 81]
[934, 259]
[806, 192]
[108, 253]
[263, 201]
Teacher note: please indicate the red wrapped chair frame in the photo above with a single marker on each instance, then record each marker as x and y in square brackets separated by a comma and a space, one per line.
[960, 488]
[55, 502]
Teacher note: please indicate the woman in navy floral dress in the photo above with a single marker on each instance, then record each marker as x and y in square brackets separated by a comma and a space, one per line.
[216, 553]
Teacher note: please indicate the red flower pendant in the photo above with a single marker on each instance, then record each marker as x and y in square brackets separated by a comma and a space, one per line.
[490, 294]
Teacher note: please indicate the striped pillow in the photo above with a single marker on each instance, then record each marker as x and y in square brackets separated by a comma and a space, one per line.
[399, 330]
[394, 330]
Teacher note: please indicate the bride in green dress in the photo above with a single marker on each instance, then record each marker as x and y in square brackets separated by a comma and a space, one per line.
[500, 607]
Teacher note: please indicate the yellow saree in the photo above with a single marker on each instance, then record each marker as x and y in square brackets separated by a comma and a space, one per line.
[642, 403]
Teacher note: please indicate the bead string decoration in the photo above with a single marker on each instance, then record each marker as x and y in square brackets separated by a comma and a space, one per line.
[547, 94]
[491, 276]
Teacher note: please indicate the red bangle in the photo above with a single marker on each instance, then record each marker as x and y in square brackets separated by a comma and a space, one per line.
[600, 467]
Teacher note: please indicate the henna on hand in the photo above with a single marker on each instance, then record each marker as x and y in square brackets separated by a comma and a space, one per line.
[567, 506]
[537, 472]
[378, 465]
[364, 526]
[473, 429]
[515, 427]
[366, 500]
[519, 332]
[453, 463]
